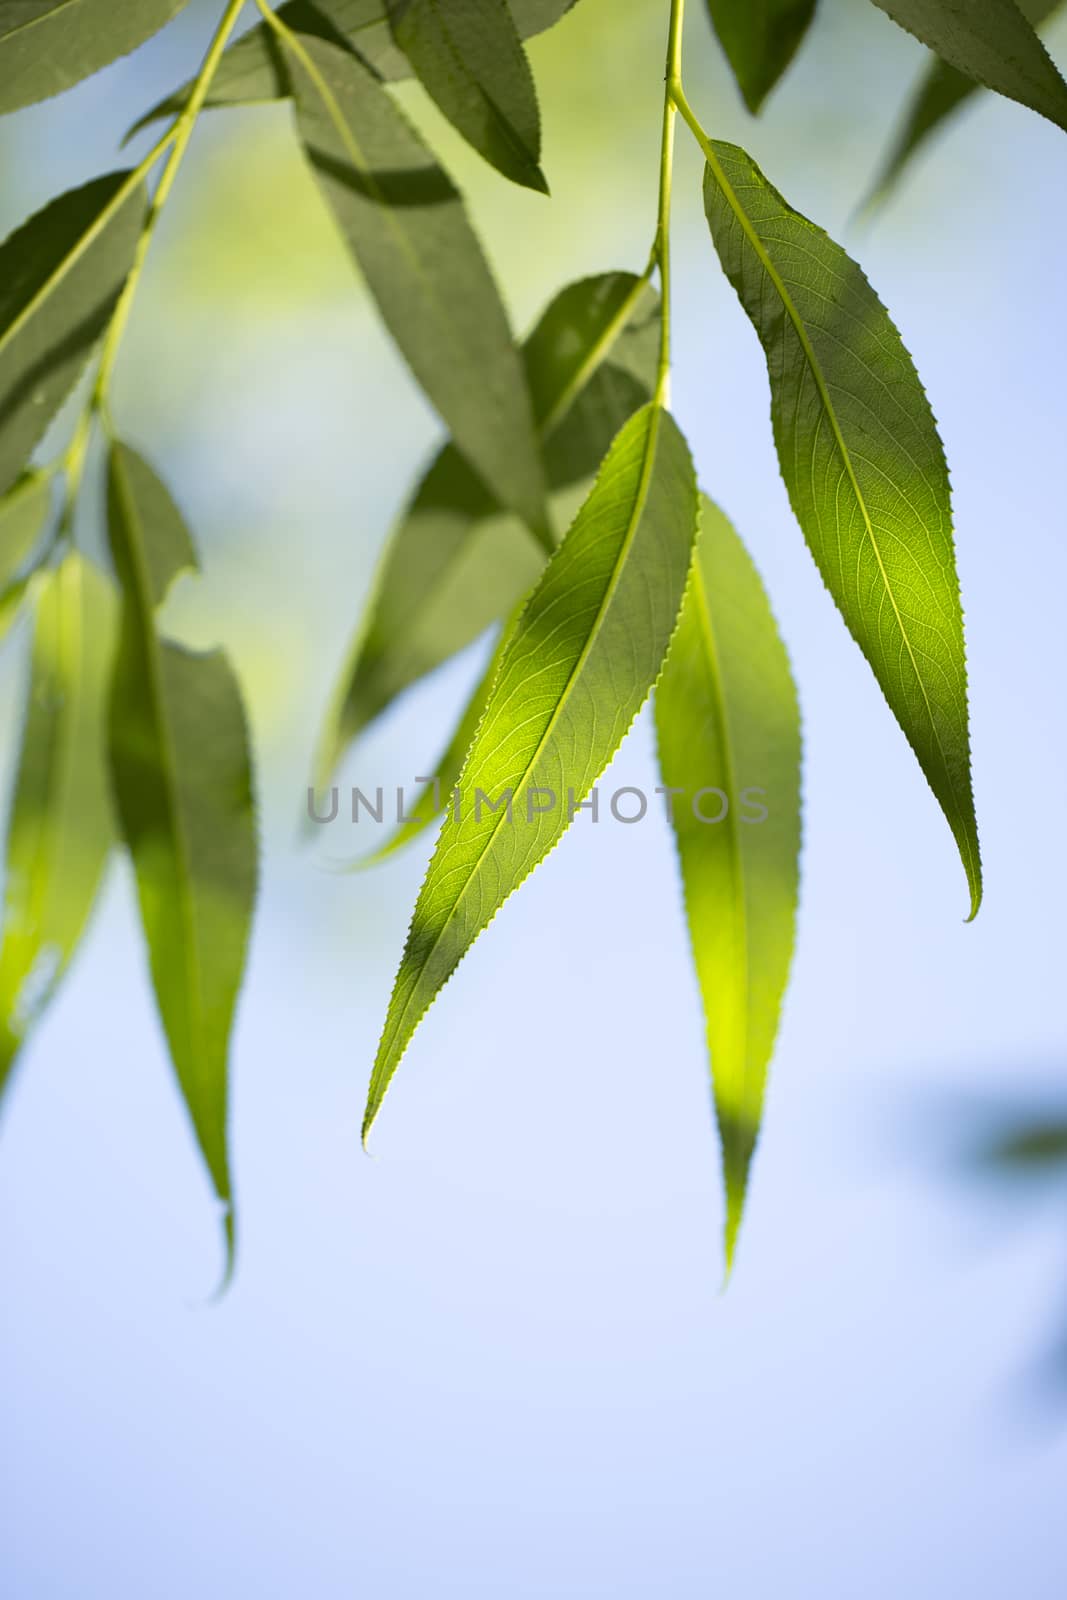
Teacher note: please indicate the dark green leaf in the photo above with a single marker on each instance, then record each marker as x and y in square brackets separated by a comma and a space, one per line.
[46, 46]
[60, 276]
[61, 828]
[727, 723]
[468, 56]
[991, 42]
[587, 650]
[183, 787]
[760, 38]
[406, 225]
[456, 562]
[863, 463]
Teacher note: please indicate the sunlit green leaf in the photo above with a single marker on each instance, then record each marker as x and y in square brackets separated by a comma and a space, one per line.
[863, 463]
[468, 56]
[60, 830]
[728, 731]
[60, 276]
[183, 788]
[760, 38]
[587, 650]
[456, 562]
[46, 46]
[993, 43]
[940, 92]
[23, 514]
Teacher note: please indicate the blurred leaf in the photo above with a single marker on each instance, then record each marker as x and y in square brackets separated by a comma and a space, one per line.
[456, 562]
[183, 787]
[47, 46]
[469, 58]
[863, 463]
[727, 720]
[760, 39]
[60, 276]
[23, 513]
[61, 829]
[587, 650]
[940, 92]
[993, 43]
[407, 227]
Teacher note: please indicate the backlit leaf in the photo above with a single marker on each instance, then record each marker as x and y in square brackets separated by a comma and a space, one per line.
[727, 724]
[46, 46]
[587, 650]
[456, 562]
[991, 42]
[863, 463]
[468, 56]
[760, 38]
[60, 276]
[183, 787]
[60, 831]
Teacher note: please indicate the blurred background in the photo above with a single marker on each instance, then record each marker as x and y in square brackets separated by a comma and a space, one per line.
[495, 1358]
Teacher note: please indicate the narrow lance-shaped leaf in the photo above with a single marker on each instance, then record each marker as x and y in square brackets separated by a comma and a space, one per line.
[61, 830]
[760, 38]
[468, 56]
[60, 276]
[728, 731]
[47, 46]
[23, 515]
[940, 93]
[183, 787]
[993, 43]
[863, 464]
[587, 650]
[406, 225]
[456, 562]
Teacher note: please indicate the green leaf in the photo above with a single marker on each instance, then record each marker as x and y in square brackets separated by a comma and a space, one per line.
[993, 43]
[23, 514]
[587, 650]
[727, 721]
[183, 787]
[760, 39]
[407, 228]
[456, 562]
[863, 463]
[47, 46]
[939, 94]
[468, 56]
[60, 276]
[60, 830]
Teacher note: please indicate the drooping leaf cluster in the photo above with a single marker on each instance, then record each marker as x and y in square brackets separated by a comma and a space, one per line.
[561, 510]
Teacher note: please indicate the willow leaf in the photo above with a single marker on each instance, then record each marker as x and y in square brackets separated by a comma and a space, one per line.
[47, 46]
[727, 720]
[468, 56]
[23, 514]
[60, 831]
[993, 43]
[587, 650]
[182, 776]
[407, 227]
[940, 93]
[456, 561]
[760, 39]
[60, 276]
[863, 463]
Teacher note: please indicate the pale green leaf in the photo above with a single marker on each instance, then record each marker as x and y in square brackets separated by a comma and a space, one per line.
[182, 775]
[863, 463]
[406, 225]
[991, 42]
[23, 513]
[60, 276]
[588, 648]
[47, 46]
[727, 723]
[468, 56]
[456, 562]
[60, 831]
[760, 39]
